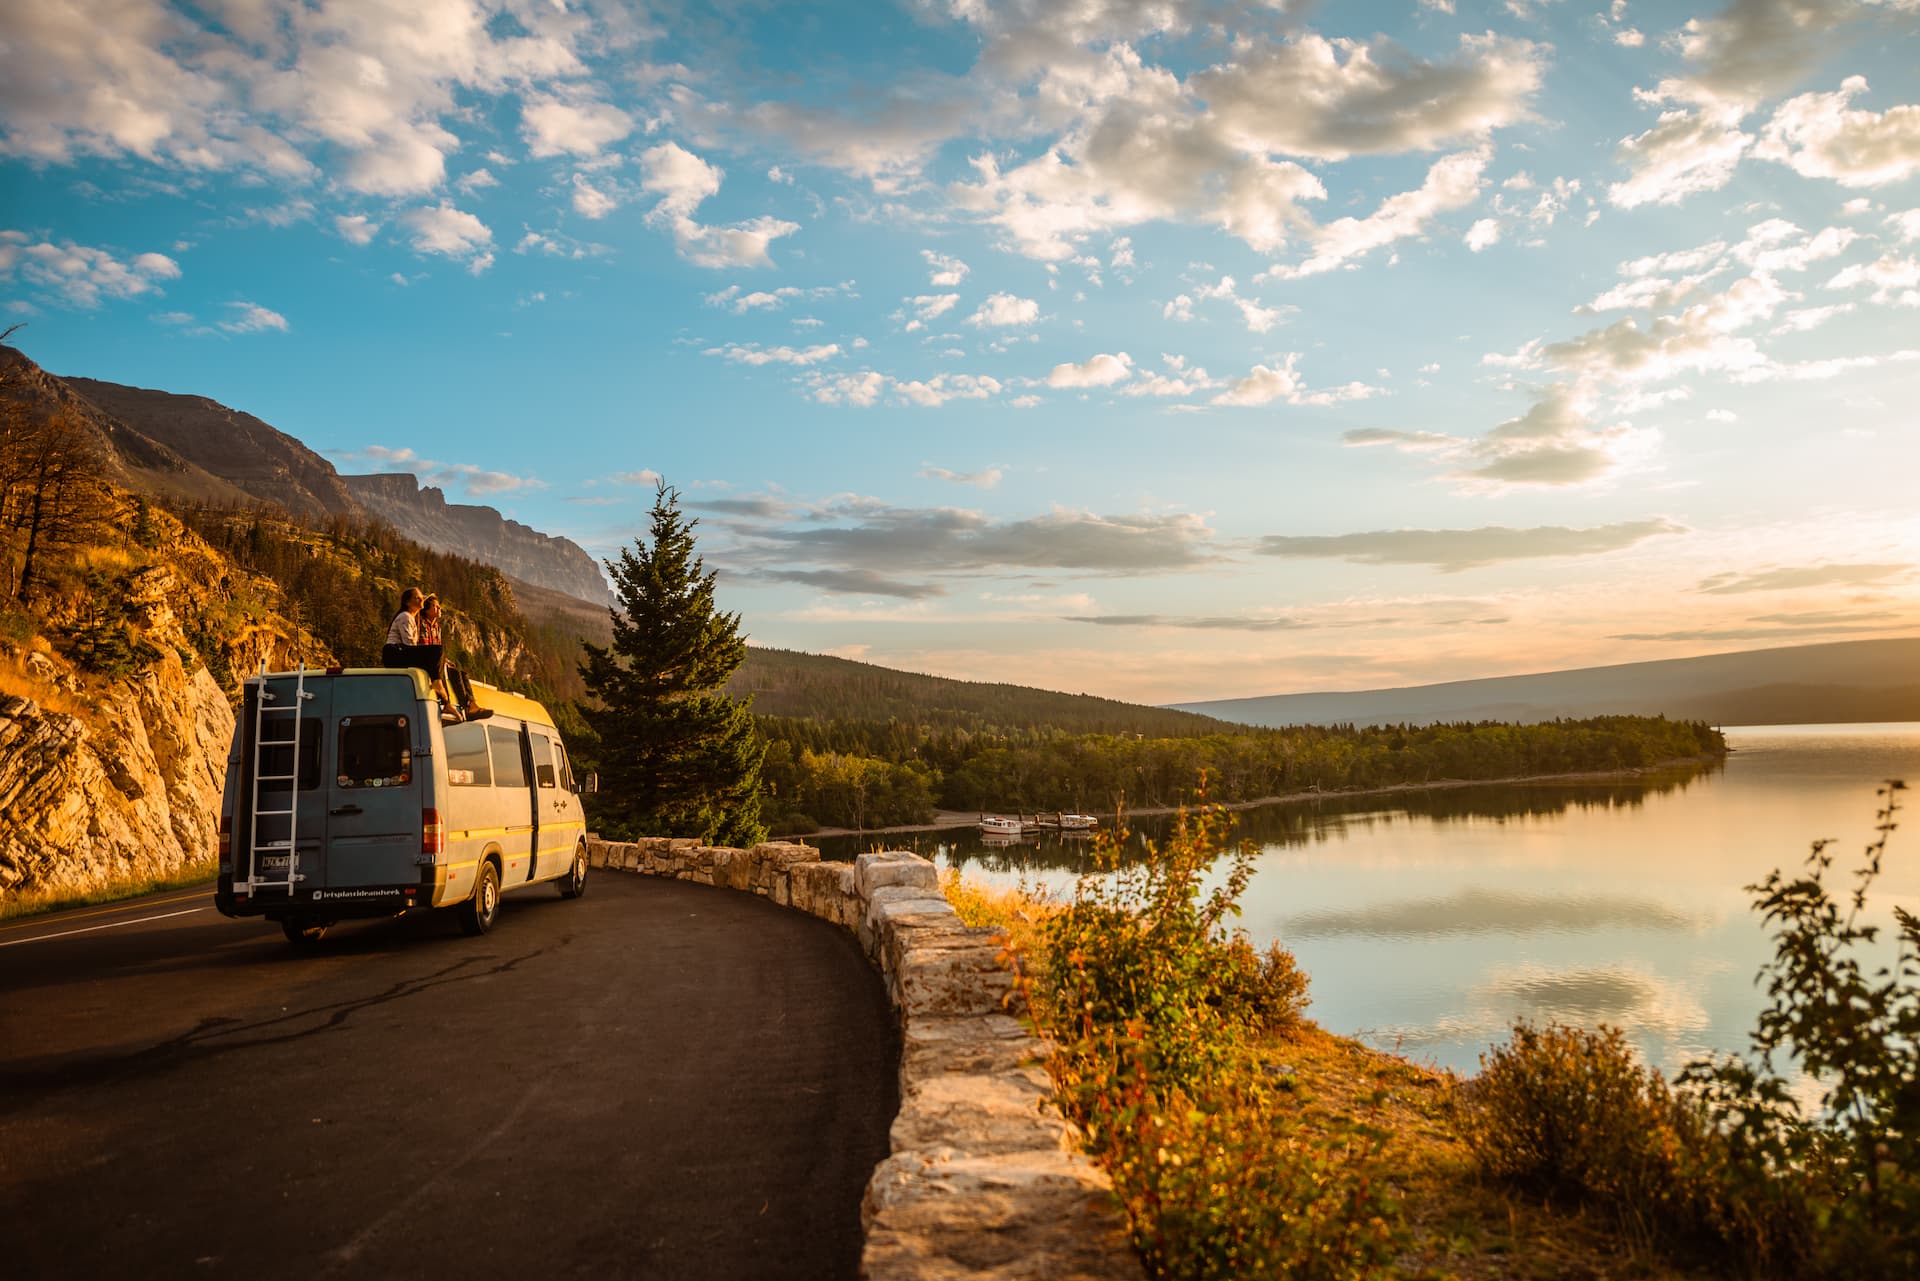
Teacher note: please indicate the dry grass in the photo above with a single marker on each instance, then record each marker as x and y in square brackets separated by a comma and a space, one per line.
[1018, 912]
[15, 680]
[1463, 1225]
[34, 904]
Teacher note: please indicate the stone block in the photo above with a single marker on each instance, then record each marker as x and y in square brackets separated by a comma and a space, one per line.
[1042, 1215]
[895, 867]
[732, 869]
[982, 1114]
[966, 1045]
[939, 981]
[823, 889]
[890, 906]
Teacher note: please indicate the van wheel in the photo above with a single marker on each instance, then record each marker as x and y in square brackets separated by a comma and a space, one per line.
[574, 883]
[477, 913]
[304, 931]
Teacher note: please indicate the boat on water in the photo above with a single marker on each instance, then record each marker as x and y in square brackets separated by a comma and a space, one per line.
[1077, 822]
[995, 825]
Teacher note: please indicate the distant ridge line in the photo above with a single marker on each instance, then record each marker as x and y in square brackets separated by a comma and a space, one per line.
[1857, 680]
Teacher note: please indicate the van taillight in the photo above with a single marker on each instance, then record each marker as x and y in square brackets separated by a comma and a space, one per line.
[226, 838]
[433, 833]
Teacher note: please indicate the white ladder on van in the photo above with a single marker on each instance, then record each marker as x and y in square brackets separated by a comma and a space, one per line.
[291, 813]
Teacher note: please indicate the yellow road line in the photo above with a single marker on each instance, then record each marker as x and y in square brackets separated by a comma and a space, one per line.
[103, 911]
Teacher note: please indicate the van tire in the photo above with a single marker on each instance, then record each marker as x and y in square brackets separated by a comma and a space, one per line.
[574, 883]
[477, 913]
[303, 931]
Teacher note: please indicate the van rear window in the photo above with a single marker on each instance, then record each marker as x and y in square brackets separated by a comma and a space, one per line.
[508, 769]
[374, 752]
[276, 754]
[467, 764]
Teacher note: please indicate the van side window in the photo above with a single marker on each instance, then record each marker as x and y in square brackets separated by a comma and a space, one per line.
[543, 771]
[375, 752]
[467, 764]
[566, 766]
[508, 769]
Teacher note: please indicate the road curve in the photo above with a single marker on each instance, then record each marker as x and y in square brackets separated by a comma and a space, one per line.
[657, 1080]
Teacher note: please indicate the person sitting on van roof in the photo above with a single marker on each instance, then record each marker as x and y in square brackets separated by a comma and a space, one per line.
[403, 632]
[460, 704]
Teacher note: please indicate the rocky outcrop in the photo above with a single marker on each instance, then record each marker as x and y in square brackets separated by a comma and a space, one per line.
[423, 514]
[131, 792]
[985, 1179]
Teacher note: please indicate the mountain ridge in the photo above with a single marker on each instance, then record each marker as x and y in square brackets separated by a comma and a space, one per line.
[1860, 680]
[192, 447]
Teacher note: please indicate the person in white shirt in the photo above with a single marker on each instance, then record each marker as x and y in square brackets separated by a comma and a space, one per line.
[404, 631]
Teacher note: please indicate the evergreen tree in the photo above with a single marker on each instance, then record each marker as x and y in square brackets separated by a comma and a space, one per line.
[677, 757]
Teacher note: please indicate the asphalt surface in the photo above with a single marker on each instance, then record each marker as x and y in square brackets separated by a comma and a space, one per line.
[656, 1080]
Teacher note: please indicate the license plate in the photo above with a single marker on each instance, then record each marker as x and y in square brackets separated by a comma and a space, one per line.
[274, 863]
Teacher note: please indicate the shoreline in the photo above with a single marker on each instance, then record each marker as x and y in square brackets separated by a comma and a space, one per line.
[946, 820]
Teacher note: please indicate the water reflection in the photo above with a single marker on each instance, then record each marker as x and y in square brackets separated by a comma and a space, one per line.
[1287, 824]
[1486, 911]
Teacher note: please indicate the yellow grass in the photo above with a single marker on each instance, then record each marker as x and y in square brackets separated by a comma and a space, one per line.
[14, 680]
[33, 904]
[1018, 912]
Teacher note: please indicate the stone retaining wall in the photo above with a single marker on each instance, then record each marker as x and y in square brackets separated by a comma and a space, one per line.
[985, 1178]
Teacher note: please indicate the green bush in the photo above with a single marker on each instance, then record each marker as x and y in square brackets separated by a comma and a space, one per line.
[1572, 1113]
[1157, 1008]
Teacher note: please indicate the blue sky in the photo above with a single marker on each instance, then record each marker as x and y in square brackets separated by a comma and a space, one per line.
[1158, 350]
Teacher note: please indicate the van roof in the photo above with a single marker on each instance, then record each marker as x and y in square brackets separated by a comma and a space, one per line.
[501, 702]
[504, 702]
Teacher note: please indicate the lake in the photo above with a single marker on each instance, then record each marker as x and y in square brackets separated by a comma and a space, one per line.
[1431, 920]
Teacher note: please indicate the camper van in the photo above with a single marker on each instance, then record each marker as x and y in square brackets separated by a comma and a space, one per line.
[347, 796]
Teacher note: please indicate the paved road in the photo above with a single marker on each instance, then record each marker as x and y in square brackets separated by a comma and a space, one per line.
[657, 1080]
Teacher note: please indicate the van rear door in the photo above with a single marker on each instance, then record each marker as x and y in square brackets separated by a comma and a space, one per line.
[273, 782]
[374, 793]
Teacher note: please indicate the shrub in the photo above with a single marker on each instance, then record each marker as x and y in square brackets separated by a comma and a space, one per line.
[1157, 1008]
[1851, 1174]
[1572, 1113]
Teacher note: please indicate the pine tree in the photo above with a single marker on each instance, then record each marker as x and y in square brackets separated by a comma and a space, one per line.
[677, 756]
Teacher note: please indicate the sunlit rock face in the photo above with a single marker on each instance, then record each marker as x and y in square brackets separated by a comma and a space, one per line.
[131, 792]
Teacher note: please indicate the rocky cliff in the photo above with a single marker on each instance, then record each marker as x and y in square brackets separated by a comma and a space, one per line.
[113, 777]
[423, 514]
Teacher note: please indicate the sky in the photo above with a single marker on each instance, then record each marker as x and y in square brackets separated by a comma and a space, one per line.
[1161, 350]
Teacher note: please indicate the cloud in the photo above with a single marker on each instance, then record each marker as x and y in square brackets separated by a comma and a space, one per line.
[577, 125]
[1555, 443]
[478, 180]
[82, 275]
[1895, 281]
[1453, 182]
[1258, 319]
[1791, 578]
[477, 481]
[755, 354]
[1684, 153]
[1484, 234]
[1452, 550]
[1098, 371]
[1754, 49]
[855, 582]
[945, 540]
[987, 479]
[1265, 384]
[1002, 310]
[944, 272]
[682, 181]
[1818, 136]
[251, 318]
[645, 476]
[938, 390]
[1220, 623]
[589, 201]
[928, 308]
[862, 390]
[1329, 99]
[448, 231]
[356, 229]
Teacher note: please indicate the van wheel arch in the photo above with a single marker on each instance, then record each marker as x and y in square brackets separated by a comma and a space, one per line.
[573, 881]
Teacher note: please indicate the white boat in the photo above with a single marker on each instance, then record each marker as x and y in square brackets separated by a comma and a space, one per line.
[1078, 822]
[993, 825]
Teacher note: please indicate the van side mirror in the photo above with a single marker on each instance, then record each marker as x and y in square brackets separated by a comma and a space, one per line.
[591, 783]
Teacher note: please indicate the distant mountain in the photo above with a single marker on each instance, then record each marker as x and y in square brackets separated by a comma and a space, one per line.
[1869, 680]
[423, 514]
[790, 684]
[194, 448]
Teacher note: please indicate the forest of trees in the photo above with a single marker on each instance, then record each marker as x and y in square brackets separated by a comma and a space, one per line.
[909, 774]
